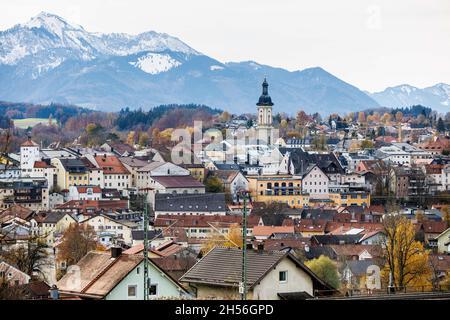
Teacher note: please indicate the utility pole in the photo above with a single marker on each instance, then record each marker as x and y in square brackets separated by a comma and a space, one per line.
[243, 284]
[146, 218]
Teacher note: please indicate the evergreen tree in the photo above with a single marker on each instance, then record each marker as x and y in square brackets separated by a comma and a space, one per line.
[440, 125]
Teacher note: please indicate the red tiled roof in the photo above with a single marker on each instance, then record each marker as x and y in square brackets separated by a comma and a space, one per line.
[187, 221]
[310, 225]
[83, 189]
[29, 143]
[42, 164]
[16, 211]
[345, 250]
[84, 205]
[367, 226]
[111, 165]
[434, 226]
[269, 230]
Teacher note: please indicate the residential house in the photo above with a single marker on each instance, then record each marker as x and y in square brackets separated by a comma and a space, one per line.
[271, 275]
[315, 182]
[356, 272]
[133, 165]
[278, 189]
[117, 276]
[115, 174]
[233, 181]
[31, 193]
[51, 225]
[12, 275]
[84, 193]
[157, 169]
[70, 172]
[91, 207]
[443, 242]
[197, 170]
[266, 232]
[202, 226]
[120, 229]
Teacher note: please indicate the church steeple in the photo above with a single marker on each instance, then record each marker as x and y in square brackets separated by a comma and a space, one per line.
[265, 99]
[265, 107]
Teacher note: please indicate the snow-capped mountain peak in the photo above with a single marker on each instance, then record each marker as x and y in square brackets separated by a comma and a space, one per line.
[405, 95]
[47, 33]
[51, 23]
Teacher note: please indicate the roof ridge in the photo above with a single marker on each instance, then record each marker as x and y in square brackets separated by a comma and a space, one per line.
[100, 274]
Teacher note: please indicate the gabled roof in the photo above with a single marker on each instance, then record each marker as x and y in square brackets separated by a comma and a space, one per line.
[133, 162]
[42, 165]
[17, 211]
[178, 181]
[328, 239]
[223, 267]
[359, 267]
[151, 166]
[226, 176]
[434, 226]
[111, 165]
[83, 189]
[347, 250]
[29, 143]
[99, 274]
[301, 160]
[269, 230]
[52, 217]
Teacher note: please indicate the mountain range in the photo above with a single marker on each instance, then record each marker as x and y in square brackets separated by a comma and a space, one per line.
[49, 59]
[436, 97]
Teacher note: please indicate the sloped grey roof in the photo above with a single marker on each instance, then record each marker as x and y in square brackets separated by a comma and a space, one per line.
[223, 267]
[359, 267]
[327, 239]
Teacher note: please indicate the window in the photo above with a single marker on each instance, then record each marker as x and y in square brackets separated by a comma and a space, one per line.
[132, 291]
[153, 290]
[283, 276]
[138, 270]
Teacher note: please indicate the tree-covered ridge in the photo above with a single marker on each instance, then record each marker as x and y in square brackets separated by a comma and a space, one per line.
[131, 118]
[413, 111]
[58, 112]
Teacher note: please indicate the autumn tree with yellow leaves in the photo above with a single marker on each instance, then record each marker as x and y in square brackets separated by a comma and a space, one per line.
[231, 239]
[407, 262]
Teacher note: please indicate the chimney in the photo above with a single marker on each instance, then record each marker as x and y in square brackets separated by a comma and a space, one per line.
[54, 292]
[260, 247]
[116, 252]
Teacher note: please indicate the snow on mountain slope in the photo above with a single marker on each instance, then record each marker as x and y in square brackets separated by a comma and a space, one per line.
[49, 60]
[48, 32]
[154, 63]
[436, 97]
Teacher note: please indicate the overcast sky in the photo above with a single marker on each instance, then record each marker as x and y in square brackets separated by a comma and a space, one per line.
[372, 44]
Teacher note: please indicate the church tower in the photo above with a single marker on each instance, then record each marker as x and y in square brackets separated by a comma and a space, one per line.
[265, 107]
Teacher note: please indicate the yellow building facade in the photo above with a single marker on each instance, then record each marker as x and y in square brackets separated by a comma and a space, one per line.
[278, 189]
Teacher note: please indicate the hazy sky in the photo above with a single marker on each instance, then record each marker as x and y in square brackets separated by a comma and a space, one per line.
[369, 43]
